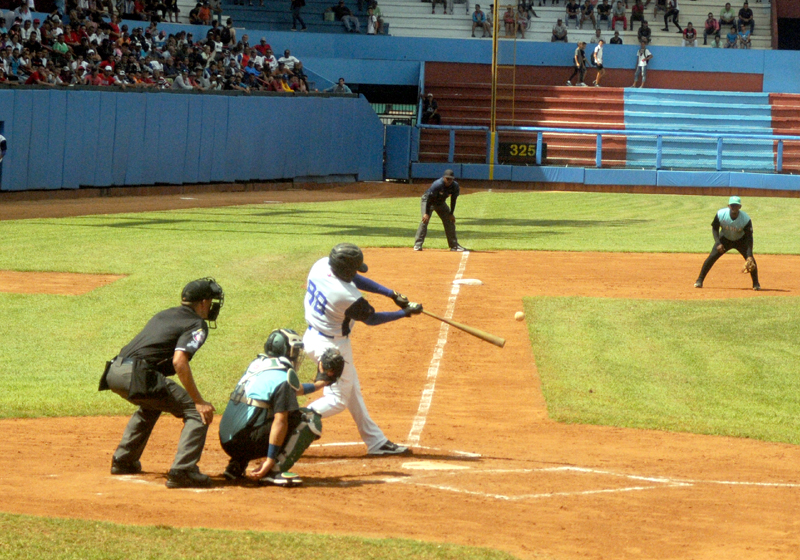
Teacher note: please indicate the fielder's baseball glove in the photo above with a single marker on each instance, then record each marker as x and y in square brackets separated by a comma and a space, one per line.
[749, 265]
[332, 364]
[400, 300]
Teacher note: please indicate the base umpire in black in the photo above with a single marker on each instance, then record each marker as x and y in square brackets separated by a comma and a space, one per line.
[140, 374]
[434, 199]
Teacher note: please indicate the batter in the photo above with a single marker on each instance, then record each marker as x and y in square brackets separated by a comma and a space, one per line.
[333, 303]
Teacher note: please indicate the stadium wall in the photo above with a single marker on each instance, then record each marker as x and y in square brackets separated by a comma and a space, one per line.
[65, 139]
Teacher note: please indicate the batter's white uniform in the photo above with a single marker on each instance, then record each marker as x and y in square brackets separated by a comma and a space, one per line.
[327, 299]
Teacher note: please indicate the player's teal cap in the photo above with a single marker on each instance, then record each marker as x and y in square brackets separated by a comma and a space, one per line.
[734, 200]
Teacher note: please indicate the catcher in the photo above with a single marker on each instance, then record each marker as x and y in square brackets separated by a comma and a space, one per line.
[263, 418]
[732, 229]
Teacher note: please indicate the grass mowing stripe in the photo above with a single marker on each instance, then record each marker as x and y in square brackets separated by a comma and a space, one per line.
[25, 537]
[725, 367]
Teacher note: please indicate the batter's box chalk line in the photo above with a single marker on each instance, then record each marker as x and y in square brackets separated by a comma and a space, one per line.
[468, 282]
[655, 482]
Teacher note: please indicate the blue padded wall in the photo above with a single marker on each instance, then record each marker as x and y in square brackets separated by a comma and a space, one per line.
[68, 138]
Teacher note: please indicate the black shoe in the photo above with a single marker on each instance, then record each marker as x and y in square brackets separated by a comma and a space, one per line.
[458, 248]
[118, 467]
[390, 448]
[234, 470]
[757, 287]
[187, 478]
[698, 284]
[418, 247]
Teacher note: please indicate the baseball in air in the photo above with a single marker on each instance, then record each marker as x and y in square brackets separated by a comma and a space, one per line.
[519, 315]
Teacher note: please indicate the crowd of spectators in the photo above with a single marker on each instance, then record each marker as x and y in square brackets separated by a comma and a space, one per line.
[741, 23]
[87, 49]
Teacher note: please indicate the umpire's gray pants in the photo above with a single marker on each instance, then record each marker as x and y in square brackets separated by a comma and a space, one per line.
[177, 402]
[449, 227]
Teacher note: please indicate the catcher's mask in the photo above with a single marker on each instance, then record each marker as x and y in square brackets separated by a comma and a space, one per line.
[205, 288]
[285, 343]
[346, 260]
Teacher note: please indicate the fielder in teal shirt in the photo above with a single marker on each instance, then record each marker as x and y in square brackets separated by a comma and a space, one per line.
[732, 229]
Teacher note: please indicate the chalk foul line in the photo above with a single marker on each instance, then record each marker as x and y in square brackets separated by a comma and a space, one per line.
[433, 369]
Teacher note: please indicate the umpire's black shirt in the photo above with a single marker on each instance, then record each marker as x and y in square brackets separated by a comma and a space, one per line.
[177, 328]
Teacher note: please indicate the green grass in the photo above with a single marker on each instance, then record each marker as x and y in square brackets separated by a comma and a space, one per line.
[25, 537]
[55, 346]
[711, 367]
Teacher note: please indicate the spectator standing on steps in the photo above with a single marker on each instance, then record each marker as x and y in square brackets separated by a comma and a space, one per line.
[597, 58]
[579, 65]
[296, 6]
[673, 11]
[643, 58]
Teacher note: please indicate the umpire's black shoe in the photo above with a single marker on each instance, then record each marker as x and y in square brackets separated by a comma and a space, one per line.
[458, 248]
[118, 467]
[757, 287]
[390, 448]
[234, 470]
[698, 284]
[187, 478]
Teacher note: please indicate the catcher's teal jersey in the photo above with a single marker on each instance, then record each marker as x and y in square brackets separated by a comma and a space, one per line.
[729, 228]
[258, 382]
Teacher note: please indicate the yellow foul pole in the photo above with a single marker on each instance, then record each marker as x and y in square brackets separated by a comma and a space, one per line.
[493, 117]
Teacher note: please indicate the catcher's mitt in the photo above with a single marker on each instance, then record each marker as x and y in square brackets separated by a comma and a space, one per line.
[749, 265]
[332, 365]
[400, 300]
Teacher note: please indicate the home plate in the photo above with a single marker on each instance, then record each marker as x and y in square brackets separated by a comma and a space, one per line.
[468, 282]
[433, 466]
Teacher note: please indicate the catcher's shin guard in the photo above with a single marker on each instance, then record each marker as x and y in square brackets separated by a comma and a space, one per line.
[308, 430]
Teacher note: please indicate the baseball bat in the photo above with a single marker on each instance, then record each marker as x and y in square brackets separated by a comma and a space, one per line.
[496, 340]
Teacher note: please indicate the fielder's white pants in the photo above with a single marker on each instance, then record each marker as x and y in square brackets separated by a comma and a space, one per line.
[346, 392]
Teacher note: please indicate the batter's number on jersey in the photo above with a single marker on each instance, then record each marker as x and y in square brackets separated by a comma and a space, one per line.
[316, 299]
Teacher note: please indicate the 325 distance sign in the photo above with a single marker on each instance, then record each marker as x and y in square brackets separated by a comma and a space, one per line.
[519, 152]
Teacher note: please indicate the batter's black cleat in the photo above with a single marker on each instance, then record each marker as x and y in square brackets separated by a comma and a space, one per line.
[234, 470]
[698, 284]
[119, 467]
[458, 248]
[757, 287]
[187, 478]
[390, 448]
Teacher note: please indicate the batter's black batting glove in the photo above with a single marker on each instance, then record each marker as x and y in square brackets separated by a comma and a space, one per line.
[413, 309]
[400, 300]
